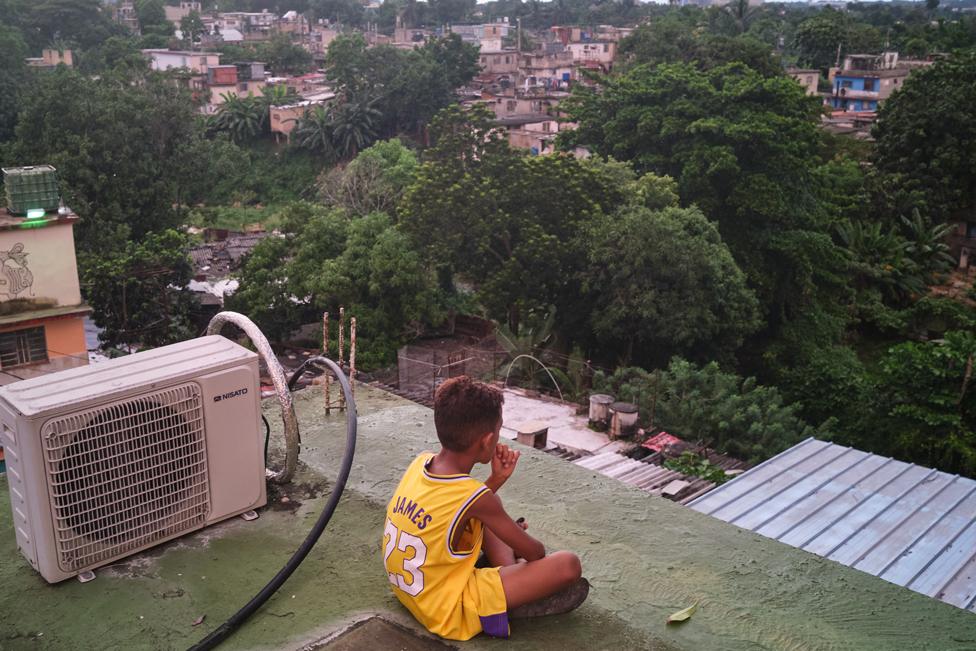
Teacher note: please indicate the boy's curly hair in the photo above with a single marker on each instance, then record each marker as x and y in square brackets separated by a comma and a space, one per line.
[464, 409]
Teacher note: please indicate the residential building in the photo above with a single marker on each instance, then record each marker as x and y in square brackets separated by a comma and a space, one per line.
[175, 14]
[41, 309]
[535, 132]
[487, 36]
[809, 79]
[546, 69]
[319, 39]
[124, 13]
[613, 33]
[196, 63]
[601, 52]
[239, 79]
[499, 62]
[255, 26]
[866, 80]
[525, 104]
[962, 243]
[222, 84]
[51, 58]
[251, 79]
[284, 119]
[209, 80]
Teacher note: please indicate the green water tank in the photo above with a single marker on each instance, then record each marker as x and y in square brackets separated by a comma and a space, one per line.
[31, 187]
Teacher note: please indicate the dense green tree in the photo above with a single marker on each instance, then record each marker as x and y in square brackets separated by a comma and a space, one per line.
[120, 150]
[446, 12]
[927, 158]
[930, 402]
[327, 259]
[374, 181]
[346, 61]
[192, 27]
[673, 40]
[733, 415]
[139, 293]
[344, 12]
[664, 283]
[741, 146]
[84, 23]
[824, 39]
[508, 223]
[264, 294]
[410, 86]
[284, 57]
[152, 18]
[120, 56]
[13, 77]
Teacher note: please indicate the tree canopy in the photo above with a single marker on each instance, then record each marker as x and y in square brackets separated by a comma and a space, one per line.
[664, 283]
[928, 157]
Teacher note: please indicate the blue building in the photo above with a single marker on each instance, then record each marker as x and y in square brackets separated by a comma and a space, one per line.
[867, 80]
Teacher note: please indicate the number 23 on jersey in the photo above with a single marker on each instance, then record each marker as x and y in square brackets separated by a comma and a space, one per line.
[412, 565]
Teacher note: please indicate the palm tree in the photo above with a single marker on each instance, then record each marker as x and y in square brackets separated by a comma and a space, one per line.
[242, 117]
[742, 13]
[927, 244]
[277, 95]
[315, 131]
[354, 125]
[881, 257]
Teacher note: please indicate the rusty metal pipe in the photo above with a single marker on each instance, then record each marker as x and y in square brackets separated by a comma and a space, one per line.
[288, 418]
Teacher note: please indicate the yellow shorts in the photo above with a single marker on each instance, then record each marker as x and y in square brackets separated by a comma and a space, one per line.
[483, 605]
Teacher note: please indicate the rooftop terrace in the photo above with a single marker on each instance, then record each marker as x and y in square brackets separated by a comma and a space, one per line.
[645, 557]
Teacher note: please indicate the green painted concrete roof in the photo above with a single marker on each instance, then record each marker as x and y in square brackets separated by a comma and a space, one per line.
[645, 557]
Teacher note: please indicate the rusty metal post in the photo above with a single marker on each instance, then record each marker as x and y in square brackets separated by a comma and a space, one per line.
[342, 332]
[325, 352]
[352, 356]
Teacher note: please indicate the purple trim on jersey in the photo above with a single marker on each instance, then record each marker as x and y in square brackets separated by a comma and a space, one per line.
[431, 476]
[495, 625]
[457, 518]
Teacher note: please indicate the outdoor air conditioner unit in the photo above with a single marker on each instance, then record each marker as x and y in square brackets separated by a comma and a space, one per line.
[104, 461]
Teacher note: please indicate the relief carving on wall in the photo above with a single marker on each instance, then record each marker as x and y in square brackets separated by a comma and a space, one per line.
[15, 276]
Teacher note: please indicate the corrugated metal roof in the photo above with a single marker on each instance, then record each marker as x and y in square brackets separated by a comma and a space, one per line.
[909, 525]
[649, 477]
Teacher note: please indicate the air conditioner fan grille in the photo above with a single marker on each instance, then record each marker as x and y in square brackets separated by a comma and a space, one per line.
[124, 476]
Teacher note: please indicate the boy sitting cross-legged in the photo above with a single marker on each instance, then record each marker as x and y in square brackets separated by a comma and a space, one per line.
[440, 519]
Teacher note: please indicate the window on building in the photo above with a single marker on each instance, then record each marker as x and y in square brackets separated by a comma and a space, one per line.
[846, 83]
[506, 59]
[22, 347]
[869, 84]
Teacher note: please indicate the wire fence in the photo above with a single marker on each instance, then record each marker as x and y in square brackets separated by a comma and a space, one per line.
[423, 367]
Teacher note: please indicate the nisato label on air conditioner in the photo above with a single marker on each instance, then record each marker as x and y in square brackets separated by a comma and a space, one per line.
[231, 394]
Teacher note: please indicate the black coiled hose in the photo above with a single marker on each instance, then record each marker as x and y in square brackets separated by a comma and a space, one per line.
[227, 628]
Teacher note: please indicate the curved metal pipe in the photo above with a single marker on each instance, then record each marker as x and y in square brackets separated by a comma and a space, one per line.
[544, 368]
[293, 442]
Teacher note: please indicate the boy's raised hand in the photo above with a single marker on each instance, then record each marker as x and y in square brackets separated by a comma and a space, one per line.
[502, 466]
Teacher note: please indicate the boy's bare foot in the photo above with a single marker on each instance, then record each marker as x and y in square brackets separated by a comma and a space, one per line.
[562, 602]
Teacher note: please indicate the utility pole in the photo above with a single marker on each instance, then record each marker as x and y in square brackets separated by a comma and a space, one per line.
[518, 36]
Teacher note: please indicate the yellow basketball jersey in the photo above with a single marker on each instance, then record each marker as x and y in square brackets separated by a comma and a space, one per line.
[436, 580]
